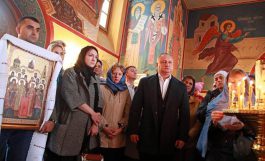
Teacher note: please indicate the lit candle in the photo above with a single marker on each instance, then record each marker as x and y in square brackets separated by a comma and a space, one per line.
[241, 102]
[238, 94]
[258, 98]
[233, 99]
[250, 90]
[243, 89]
[230, 95]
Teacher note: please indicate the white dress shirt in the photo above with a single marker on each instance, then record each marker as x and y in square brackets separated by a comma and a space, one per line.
[131, 89]
[163, 85]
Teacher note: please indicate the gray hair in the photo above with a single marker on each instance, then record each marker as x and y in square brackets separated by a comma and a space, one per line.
[162, 54]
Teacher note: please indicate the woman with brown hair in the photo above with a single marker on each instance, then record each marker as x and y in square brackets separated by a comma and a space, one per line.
[76, 116]
[189, 152]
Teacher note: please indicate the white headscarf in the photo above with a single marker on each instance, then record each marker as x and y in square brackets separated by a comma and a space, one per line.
[221, 72]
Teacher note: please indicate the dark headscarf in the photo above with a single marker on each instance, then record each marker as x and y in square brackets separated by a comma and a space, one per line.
[191, 93]
[81, 67]
[115, 87]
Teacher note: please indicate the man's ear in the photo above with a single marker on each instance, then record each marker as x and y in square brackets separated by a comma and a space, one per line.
[17, 29]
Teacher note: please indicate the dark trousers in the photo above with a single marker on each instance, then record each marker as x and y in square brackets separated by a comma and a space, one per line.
[188, 154]
[50, 156]
[14, 144]
[129, 159]
[157, 157]
[113, 154]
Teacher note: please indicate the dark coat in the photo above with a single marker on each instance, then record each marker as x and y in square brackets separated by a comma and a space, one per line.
[143, 119]
[201, 112]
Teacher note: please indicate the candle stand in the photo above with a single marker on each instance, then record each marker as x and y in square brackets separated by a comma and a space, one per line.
[254, 118]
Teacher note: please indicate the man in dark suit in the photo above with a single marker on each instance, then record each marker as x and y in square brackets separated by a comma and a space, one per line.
[159, 116]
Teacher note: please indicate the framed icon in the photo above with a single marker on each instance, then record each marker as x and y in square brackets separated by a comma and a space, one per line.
[26, 89]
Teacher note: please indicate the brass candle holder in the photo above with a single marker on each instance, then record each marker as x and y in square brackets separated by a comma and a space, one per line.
[254, 118]
[251, 112]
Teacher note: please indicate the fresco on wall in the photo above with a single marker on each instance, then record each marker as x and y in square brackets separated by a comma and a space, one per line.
[221, 53]
[82, 16]
[146, 34]
[135, 34]
[177, 35]
[66, 13]
[92, 4]
[32, 8]
[223, 38]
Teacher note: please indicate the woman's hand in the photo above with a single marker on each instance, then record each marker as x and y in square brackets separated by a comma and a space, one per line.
[109, 132]
[117, 131]
[217, 116]
[93, 131]
[96, 116]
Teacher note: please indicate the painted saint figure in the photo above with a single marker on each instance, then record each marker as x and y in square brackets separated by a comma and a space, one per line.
[31, 95]
[136, 26]
[38, 102]
[155, 32]
[223, 58]
[10, 97]
[21, 89]
[24, 102]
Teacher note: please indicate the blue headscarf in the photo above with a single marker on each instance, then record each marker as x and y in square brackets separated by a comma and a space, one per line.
[115, 87]
[217, 104]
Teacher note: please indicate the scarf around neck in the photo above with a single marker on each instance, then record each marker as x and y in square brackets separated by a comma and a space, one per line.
[115, 87]
[218, 103]
[86, 71]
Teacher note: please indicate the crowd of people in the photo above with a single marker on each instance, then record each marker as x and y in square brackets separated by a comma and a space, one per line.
[162, 119]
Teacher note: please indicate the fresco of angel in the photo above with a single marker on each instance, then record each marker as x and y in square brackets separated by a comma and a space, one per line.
[222, 52]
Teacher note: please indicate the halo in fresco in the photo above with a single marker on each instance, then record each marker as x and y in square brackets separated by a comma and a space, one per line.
[158, 3]
[233, 25]
[141, 5]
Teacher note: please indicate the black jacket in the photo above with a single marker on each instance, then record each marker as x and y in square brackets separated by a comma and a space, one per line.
[159, 137]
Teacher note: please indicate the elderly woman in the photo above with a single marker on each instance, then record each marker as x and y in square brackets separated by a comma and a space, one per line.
[189, 150]
[117, 102]
[220, 131]
[76, 116]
